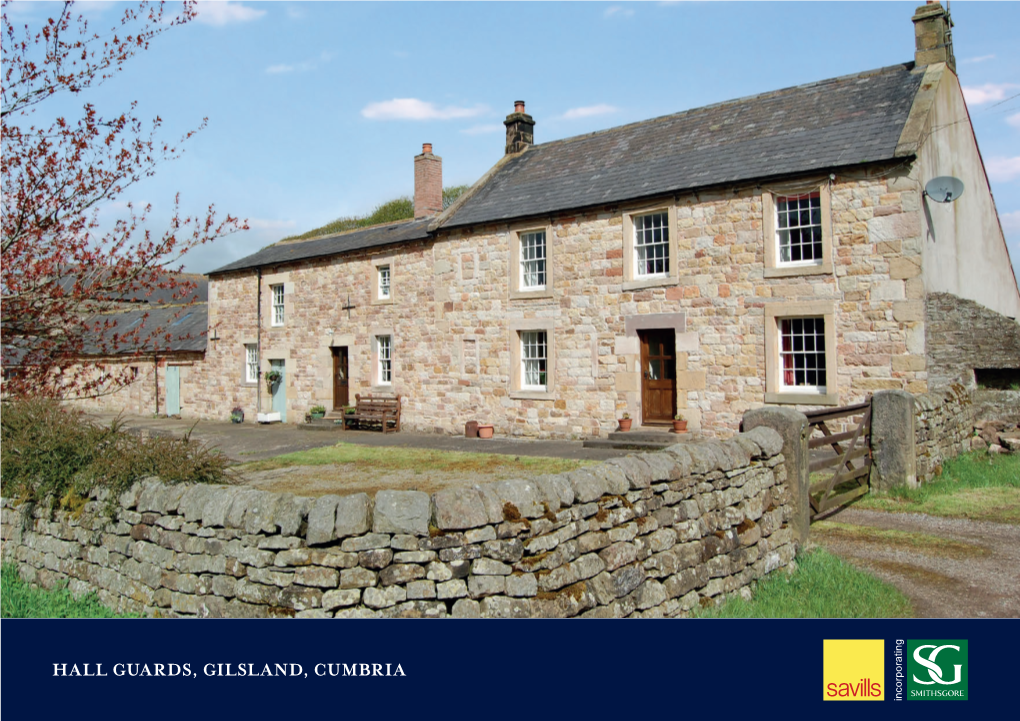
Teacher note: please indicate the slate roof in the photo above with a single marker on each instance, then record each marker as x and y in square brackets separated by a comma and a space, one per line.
[186, 325]
[843, 121]
[819, 126]
[332, 245]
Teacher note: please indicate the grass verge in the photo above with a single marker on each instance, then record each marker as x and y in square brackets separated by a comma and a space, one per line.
[823, 586]
[976, 485]
[22, 600]
[415, 459]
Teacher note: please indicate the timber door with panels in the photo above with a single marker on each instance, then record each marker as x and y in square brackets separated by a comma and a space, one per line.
[280, 389]
[173, 390]
[658, 376]
[341, 382]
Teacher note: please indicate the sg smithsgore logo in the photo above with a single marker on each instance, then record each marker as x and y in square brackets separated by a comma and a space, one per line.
[937, 670]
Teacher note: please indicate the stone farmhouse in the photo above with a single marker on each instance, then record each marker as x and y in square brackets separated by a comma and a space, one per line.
[776, 249]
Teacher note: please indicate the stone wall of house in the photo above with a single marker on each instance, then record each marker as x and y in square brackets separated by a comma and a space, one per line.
[963, 335]
[454, 320]
[146, 394]
[996, 405]
[646, 535]
[943, 424]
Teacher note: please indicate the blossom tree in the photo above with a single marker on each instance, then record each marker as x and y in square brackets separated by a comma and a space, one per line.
[63, 275]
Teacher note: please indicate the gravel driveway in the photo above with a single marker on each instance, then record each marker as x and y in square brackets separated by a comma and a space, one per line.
[974, 574]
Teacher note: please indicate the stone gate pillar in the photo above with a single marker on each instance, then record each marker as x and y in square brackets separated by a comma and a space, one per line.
[893, 456]
[793, 427]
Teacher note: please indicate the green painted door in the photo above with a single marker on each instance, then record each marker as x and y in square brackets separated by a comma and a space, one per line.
[173, 390]
[280, 389]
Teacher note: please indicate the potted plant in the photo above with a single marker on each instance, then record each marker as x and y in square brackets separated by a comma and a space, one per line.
[237, 415]
[679, 423]
[272, 378]
[625, 422]
[317, 412]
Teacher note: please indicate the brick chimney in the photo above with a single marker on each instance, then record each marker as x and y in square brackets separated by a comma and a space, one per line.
[933, 35]
[520, 129]
[428, 183]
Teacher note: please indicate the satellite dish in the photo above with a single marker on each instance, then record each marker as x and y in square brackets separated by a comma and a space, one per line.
[944, 189]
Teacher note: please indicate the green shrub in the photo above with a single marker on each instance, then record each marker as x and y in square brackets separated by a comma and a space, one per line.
[52, 450]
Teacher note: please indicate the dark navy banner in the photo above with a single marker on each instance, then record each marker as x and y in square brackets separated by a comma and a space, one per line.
[167, 669]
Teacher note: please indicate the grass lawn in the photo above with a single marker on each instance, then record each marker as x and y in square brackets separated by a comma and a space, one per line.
[975, 485]
[823, 586]
[21, 600]
[351, 468]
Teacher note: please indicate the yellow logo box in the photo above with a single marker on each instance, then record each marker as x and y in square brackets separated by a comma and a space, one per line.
[853, 669]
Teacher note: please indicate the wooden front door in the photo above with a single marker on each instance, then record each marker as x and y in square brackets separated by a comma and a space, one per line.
[341, 394]
[658, 376]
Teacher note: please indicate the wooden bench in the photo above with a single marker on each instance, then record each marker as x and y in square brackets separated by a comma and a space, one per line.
[372, 411]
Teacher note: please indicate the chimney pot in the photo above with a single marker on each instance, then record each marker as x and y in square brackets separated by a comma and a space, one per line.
[520, 129]
[428, 183]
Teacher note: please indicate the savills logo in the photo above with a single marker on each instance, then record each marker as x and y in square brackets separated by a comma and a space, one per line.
[937, 670]
[853, 669]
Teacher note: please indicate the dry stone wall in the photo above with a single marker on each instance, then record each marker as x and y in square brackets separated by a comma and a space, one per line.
[943, 423]
[647, 535]
[964, 335]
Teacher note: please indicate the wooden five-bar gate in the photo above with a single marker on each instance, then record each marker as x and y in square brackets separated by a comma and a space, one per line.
[850, 459]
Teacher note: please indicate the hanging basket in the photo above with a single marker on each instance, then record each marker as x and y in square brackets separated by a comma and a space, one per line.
[272, 378]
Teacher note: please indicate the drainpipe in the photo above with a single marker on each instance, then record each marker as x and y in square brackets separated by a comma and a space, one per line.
[155, 379]
[258, 342]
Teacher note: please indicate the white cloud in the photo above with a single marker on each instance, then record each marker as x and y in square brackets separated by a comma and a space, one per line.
[225, 13]
[588, 111]
[617, 11]
[1010, 221]
[414, 109]
[987, 93]
[979, 59]
[1000, 168]
[1014, 120]
[301, 67]
[483, 129]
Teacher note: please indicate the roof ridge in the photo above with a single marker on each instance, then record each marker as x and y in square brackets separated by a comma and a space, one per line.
[374, 226]
[907, 66]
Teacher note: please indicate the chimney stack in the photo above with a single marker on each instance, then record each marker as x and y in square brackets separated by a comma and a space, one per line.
[520, 129]
[933, 36]
[428, 183]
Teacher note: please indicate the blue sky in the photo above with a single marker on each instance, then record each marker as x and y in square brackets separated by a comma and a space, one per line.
[316, 109]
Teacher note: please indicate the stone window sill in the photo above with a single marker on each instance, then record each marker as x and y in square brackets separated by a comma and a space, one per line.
[531, 294]
[661, 282]
[802, 399]
[532, 395]
[796, 270]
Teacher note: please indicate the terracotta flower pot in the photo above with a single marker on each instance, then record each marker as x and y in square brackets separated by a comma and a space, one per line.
[625, 423]
[679, 426]
[484, 431]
